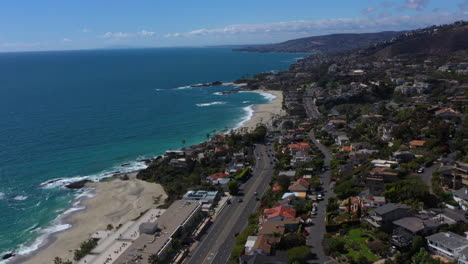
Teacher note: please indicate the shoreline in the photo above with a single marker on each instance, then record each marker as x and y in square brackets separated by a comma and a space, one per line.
[263, 113]
[113, 202]
[85, 205]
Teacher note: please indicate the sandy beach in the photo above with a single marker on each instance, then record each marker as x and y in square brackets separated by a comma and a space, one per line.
[115, 202]
[264, 113]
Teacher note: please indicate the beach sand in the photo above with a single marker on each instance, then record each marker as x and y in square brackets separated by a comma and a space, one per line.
[116, 202]
[264, 113]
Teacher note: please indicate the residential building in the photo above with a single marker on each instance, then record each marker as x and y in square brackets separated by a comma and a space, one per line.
[417, 143]
[279, 227]
[455, 176]
[264, 244]
[278, 213]
[461, 197]
[446, 244]
[382, 217]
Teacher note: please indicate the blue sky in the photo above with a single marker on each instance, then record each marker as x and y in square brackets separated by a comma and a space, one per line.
[86, 24]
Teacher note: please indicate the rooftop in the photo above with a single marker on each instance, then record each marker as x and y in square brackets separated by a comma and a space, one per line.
[175, 216]
[384, 209]
[449, 240]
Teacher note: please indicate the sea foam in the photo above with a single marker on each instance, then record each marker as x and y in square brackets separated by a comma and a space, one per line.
[209, 104]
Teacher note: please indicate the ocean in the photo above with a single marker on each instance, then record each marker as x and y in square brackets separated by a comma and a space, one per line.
[82, 114]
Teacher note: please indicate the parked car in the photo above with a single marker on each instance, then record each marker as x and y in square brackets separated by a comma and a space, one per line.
[421, 170]
[239, 200]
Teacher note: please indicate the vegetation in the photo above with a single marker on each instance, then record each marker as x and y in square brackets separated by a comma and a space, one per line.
[299, 255]
[85, 248]
[233, 187]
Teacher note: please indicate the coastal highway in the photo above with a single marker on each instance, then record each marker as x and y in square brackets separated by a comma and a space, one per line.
[216, 245]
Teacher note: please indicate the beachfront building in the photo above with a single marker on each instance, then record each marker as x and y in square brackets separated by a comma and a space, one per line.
[208, 199]
[176, 221]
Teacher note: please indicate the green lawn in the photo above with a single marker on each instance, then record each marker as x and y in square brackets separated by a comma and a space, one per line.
[355, 240]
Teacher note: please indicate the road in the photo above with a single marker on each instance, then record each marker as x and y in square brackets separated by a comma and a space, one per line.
[217, 244]
[309, 104]
[426, 176]
[317, 230]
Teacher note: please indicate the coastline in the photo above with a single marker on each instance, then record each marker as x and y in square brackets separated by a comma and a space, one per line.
[264, 113]
[114, 202]
[105, 206]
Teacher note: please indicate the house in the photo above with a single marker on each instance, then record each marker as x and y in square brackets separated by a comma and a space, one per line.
[341, 140]
[300, 146]
[279, 227]
[372, 201]
[385, 174]
[301, 185]
[276, 188]
[279, 213]
[417, 143]
[286, 201]
[264, 243]
[383, 163]
[216, 176]
[403, 156]
[455, 176]
[463, 256]
[382, 217]
[446, 244]
[249, 244]
[447, 113]
[422, 224]
[290, 173]
[461, 197]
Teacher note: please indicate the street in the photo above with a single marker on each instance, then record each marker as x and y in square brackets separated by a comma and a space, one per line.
[217, 244]
[317, 230]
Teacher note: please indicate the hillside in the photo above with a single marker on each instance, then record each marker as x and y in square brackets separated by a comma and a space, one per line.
[441, 40]
[327, 44]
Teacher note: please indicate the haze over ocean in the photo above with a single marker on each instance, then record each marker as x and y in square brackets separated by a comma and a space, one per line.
[84, 113]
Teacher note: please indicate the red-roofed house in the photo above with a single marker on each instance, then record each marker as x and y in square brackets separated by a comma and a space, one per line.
[417, 143]
[216, 176]
[447, 113]
[347, 148]
[276, 187]
[279, 213]
[301, 146]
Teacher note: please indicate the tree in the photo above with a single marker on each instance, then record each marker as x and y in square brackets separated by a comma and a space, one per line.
[292, 240]
[153, 259]
[109, 227]
[299, 254]
[233, 187]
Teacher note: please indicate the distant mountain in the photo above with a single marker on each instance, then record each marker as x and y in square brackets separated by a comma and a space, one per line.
[328, 44]
[435, 40]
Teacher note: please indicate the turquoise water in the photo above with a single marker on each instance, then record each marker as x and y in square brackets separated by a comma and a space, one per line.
[84, 113]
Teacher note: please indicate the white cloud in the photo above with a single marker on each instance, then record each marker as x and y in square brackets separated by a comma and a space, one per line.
[368, 10]
[86, 30]
[145, 33]
[328, 26]
[115, 35]
[416, 4]
[66, 40]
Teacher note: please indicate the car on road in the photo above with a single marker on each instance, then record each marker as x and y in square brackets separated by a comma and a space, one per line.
[258, 158]
[421, 170]
[305, 233]
[240, 200]
[319, 197]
